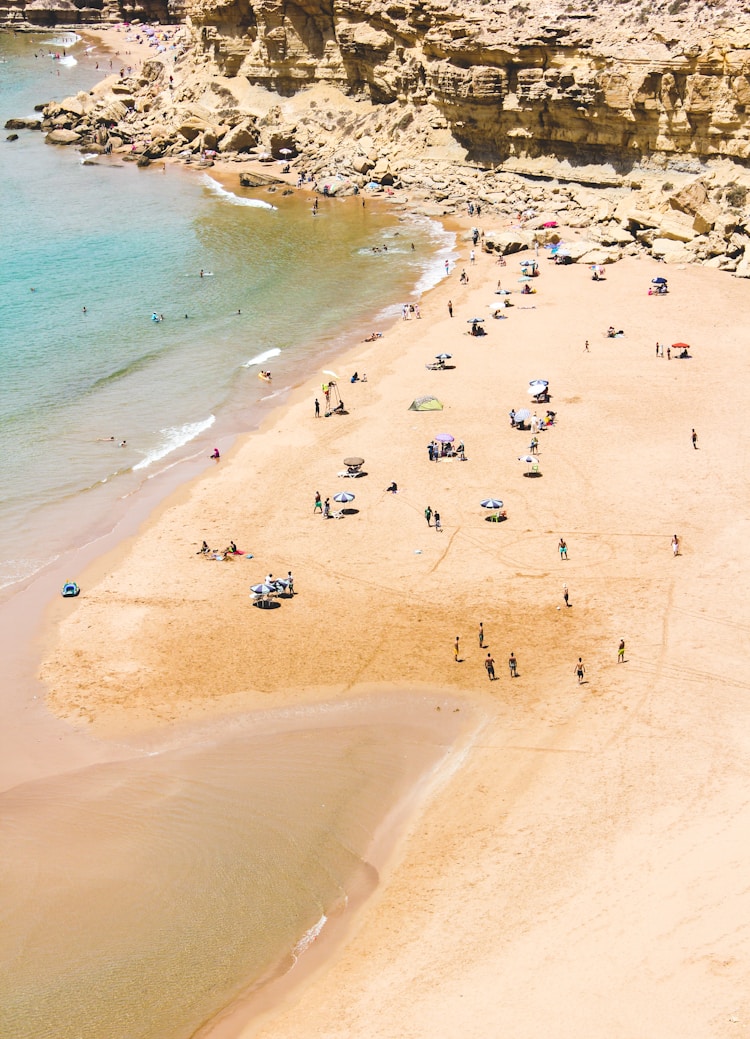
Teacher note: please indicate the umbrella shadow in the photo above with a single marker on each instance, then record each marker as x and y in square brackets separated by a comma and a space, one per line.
[267, 604]
[495, 519]
[533, 476]
[350, 512]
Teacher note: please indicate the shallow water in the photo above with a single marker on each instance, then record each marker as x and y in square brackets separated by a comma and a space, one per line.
[141, 898]
[280, 288]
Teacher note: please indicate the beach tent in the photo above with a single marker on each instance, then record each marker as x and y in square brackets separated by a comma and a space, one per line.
[426, 404]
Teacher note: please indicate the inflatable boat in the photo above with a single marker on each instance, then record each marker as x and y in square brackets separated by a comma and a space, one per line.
[70, 589]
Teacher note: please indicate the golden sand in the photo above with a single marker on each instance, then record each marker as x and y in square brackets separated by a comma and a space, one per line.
[581, 872]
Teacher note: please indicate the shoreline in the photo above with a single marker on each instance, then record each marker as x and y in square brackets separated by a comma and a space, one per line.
[368, 605]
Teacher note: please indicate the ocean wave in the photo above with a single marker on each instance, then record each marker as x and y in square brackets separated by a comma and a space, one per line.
[120, 373]
[67, 60]
[309, 937]
[228, 196]
[260, 358]
[173, 438]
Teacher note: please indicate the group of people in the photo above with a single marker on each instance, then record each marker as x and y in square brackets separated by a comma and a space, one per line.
[437, 450]
[214, 553]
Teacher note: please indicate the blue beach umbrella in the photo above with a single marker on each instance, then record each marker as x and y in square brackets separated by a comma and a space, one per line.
[263, 589]
[522, 415]
[491, 503]
[344, 496]
[658, 281]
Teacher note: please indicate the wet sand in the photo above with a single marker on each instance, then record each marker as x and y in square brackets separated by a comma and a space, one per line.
[580, 871]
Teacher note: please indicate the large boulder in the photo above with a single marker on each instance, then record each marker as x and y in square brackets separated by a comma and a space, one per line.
[677, 226]
[507, 242]
[240, 138]
[691, 198]
[62, 136]
[670, 251]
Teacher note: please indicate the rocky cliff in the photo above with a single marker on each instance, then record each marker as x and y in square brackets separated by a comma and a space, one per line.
[625, 81]
[631, 121]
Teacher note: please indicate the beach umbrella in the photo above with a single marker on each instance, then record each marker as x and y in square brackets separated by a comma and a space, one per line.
[263, 589]
[344, 496]
[444, 438]
[522, 414]
[658, 281]
[491, 503]
[443, 357]
[535, 388]
[680, 346]
[529, 459]
[285, 151]
[475, 321]
[538, 382]
[352, 462]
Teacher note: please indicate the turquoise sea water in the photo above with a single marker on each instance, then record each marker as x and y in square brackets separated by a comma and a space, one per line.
[282, 290]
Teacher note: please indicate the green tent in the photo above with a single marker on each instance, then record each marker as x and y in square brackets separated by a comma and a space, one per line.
[426, 404]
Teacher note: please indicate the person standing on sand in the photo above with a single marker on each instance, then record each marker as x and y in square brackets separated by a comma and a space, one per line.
[512, 665]
[481, 636]
[490, 665]
[621, 652]
[563, 549]
[428, 515]
[694, 438]
[580, 670]
[455, 649]
[317, 408]
[437, 521]
[450, 307]
[586, 347]
[675, 545]
[318, 506]
[565, 594]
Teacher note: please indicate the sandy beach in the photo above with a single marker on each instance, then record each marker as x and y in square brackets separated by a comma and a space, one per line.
[579, 871]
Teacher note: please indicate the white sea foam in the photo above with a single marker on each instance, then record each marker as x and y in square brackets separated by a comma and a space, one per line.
[309, 937]
[67, 61]
[62, 41]
[262, 357]
[173, 438]
[228, 196]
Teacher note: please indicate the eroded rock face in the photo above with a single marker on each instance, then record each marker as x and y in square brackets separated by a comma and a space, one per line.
[510, 79]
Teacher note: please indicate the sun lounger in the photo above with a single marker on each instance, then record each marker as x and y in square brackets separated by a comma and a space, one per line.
[337, 515]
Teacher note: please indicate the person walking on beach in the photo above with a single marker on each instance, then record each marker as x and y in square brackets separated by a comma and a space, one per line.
[512, 665]
[290, 582]
[455, 649]
[694, 438]
[481, 635]
[489, 663]
[327, 509]
[450, 307]
[428, 515]
[621, 652]
[563, 549]
[437, 521]
[675, 545]
[318, 506]
[317, 408]
[580, 670]
[565, 594]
